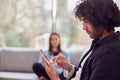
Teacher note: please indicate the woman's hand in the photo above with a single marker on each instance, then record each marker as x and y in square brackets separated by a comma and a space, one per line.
[62, 62]
[51, 71]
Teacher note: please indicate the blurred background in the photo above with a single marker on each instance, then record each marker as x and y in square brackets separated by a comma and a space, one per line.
[28, 23]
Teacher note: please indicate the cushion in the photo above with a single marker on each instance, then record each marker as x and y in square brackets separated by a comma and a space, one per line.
[18, 59]
[17, 76]
[0, 57]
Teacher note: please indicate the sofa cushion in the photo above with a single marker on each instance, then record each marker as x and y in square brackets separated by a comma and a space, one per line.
[17, 76]
[18, 59]
[0, 57]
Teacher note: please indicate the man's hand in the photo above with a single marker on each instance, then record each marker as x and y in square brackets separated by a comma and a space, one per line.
[62, 62]
[51, 71]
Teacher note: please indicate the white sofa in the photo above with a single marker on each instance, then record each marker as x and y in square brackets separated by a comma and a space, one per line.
[16, 63]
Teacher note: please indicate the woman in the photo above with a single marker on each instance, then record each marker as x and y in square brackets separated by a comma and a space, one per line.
[54, 49]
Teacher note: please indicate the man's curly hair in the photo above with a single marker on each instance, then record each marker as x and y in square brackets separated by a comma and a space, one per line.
[103, 13]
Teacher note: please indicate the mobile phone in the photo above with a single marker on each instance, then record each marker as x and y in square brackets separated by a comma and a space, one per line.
[44, 56]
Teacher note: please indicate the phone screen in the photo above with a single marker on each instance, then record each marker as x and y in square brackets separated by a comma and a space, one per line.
[43, 56]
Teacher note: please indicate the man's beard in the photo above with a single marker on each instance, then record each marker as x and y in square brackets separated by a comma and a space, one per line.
[97, 34]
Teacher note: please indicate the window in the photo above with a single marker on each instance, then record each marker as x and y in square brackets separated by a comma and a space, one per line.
[23, 20]
[27, 23]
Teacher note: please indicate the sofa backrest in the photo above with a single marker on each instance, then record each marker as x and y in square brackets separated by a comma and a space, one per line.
[22, 59]
[14, 59]
[75, 57]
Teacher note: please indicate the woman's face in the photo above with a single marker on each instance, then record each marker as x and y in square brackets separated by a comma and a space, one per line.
[55, 41]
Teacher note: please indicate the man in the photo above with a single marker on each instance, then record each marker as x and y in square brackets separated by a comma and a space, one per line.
[102, 61]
